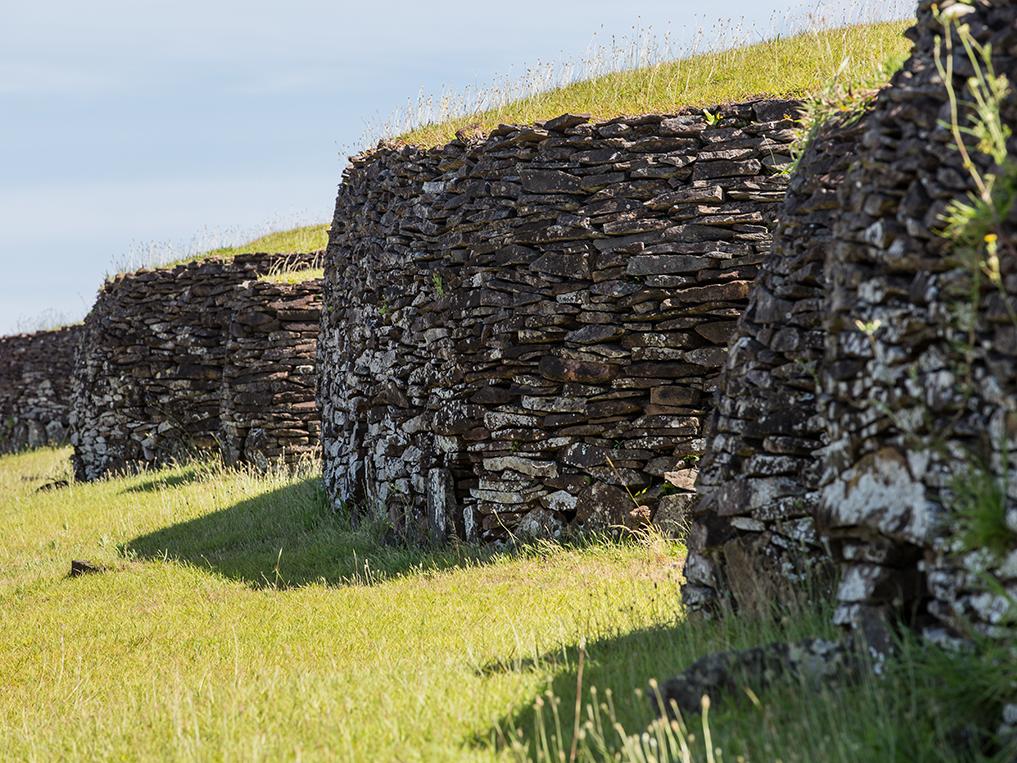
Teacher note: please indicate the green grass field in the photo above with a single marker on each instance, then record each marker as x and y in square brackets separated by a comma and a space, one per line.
[239, 618]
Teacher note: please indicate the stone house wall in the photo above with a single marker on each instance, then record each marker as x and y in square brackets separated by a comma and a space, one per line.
[35, 373]
[911, 478]
[753, 523]
[268, 409]
[522, 332]
[148, 385]
[908, 451]
[919, 380]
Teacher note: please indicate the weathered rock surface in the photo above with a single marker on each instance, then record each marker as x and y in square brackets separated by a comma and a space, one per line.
[268, 410]
[533, 322]
[913, 487]
[192, 358]
[753, 531]
[919, 378]
[35, 372]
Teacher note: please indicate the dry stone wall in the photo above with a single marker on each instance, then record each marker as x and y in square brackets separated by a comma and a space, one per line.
[753, 524]
[911, 478]
[149, 384]
[522, 330]
[35, 373]
[268, 408]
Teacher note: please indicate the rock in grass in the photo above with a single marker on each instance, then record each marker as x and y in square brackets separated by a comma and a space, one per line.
[79, 568]
[54, 485]
[726, 675]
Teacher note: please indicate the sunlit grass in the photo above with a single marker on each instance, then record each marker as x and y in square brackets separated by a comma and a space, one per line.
[792, 67]
[295, 276]
[240, 618]
[309, 238]
[306, 238]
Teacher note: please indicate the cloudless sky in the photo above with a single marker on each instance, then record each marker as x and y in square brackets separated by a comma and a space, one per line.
[127, 124]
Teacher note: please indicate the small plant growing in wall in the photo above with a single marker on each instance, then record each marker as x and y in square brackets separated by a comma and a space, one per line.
[980, 506]
[688, 460]
[974, 222]
[439, 285]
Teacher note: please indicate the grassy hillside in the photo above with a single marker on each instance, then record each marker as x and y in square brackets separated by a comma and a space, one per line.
[295, 276]
[239, 618]
[796, 66]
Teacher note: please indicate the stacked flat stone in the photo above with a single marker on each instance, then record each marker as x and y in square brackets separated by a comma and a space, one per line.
[35, 373]
[918, 380]
[920, 377]
[148, 383]
[522, 332]
[753, 531]
[269, 414]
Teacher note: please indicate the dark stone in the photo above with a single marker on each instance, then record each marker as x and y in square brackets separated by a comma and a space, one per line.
[550, 181]
[79, 567]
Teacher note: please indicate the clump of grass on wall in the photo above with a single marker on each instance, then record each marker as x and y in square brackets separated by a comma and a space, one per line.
[980, 506]
[309, 238]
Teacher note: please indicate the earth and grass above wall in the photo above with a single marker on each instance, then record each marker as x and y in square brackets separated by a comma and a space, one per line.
[828, 64]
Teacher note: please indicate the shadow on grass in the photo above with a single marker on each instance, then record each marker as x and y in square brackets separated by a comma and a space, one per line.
[929, 703]
[189, 473]
[615, 677]
[289, 537]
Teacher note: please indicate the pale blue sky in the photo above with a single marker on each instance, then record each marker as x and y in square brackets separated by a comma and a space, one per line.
[126, 124]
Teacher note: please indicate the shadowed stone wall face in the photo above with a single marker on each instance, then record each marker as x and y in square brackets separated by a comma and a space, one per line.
[35, 373]
[917, 383]
[149, 383]
[920, 378]
[521, 329]
[753, 530]
[269, 382]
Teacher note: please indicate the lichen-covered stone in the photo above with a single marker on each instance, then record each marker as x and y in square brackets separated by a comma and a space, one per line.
[919, 383]
[914, 404]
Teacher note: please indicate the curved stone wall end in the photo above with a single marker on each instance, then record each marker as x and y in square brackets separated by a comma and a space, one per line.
[163, 348]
